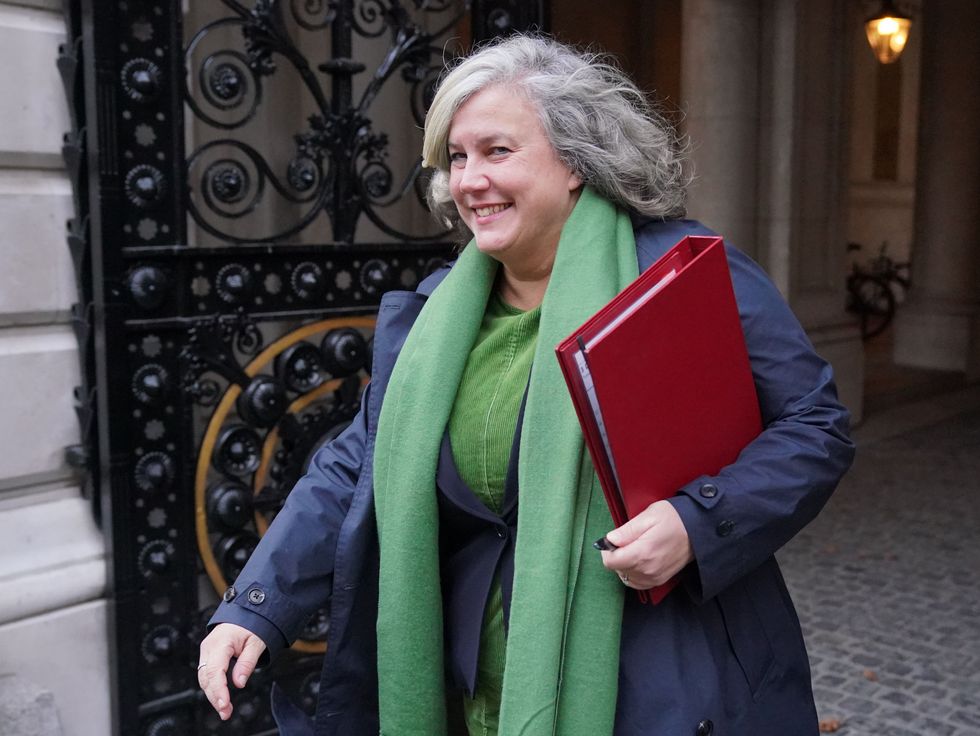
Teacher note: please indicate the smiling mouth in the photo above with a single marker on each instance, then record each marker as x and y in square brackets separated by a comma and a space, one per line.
[492, 210]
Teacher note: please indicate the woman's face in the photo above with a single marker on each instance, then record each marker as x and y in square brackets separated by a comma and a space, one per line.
[511, 190]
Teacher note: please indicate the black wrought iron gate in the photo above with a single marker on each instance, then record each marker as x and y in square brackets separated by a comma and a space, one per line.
[247, 185]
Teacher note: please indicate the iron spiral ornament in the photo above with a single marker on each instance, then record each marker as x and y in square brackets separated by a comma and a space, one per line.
[340, 171]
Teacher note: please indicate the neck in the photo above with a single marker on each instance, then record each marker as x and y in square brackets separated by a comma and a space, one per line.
[523, 294]
[523, 286]
[523, 276]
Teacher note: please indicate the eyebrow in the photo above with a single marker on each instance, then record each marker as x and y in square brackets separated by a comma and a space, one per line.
[485, 139]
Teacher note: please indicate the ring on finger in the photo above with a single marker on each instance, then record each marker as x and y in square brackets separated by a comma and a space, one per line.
[202, 666]
[625, 577]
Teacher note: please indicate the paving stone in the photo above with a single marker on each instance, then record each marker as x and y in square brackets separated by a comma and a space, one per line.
[931, 674]
[893, 730]
[858, 705]
[885, 581]
[896, 683]
[933, 727]
[865, 659]
[935, 708]
[968, 702]
[860, 685]
[930, 691]
[896, 715]
[897, 668]
[966, 718]
[830, 680]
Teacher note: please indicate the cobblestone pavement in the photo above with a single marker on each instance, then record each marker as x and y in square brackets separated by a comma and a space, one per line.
[887, 583]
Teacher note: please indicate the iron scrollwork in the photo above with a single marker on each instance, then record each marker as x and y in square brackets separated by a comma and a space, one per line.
[339, 165]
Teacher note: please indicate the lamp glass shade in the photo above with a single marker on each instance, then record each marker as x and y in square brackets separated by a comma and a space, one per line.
[887, 35]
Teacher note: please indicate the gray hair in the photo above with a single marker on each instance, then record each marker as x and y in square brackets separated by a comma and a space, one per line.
[600, 124]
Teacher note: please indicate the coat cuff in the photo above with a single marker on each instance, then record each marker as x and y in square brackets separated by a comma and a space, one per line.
[713, 528]
[232, 612]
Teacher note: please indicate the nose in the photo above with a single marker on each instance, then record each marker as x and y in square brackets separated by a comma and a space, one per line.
[472, 178]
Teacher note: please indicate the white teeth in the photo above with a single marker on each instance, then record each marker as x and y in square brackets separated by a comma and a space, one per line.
[484, 211]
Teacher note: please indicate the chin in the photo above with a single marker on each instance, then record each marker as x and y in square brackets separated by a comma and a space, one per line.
[491, 246]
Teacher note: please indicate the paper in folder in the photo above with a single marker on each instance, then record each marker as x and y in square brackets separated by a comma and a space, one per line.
[661, 381]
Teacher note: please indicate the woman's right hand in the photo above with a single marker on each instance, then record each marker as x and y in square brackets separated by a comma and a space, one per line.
[224, 642]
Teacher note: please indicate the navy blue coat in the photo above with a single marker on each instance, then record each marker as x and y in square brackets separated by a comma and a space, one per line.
[722, 655]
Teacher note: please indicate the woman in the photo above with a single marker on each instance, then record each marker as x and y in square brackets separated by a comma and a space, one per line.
[448, 542]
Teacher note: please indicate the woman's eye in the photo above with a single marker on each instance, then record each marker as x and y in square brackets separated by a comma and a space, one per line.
[499, 151]
[457, 158]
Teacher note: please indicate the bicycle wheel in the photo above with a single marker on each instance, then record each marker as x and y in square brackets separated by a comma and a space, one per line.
[874, 303]
[899, 286]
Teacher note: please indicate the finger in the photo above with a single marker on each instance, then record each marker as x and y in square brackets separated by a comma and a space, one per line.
[613, 561]
[214, 684]
[662, 551]
[635, 527]
[632, 554]
[618, 560]
[623, 559]
[247, 661]
[213, 677]
[637, 556]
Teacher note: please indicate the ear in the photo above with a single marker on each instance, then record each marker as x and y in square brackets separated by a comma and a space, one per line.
[574, 181]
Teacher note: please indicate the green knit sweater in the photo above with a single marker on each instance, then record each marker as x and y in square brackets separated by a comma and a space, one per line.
[481, 431]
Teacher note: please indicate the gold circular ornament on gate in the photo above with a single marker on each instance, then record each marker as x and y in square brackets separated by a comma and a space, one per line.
[219, 424]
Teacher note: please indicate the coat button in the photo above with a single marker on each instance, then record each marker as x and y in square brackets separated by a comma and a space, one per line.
[708, 490]
[255, 596]
[501, 533]
[705, 728]
[229, 594]
[725, 528]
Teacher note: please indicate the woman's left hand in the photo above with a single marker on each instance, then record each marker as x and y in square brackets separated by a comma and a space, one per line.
[653, 547]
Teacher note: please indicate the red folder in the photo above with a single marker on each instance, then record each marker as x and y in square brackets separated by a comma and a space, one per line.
[661, 381]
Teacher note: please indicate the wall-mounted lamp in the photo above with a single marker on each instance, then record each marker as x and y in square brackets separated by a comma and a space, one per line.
[888, 30]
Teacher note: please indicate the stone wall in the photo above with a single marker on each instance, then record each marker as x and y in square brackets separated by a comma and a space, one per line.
[52, 556]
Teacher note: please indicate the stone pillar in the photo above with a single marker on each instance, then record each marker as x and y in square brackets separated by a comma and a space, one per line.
[26, 710]
[720, 93]
[763, 86]
[52, 556]
[940, 327]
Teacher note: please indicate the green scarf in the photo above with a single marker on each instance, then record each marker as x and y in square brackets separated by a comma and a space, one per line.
[566, 613]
